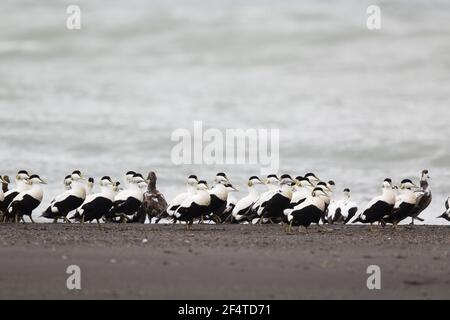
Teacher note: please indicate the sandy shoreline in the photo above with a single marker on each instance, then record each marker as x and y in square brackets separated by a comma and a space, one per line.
[222, 262]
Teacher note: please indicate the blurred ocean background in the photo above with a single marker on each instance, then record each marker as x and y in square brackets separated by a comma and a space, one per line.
[352, 105]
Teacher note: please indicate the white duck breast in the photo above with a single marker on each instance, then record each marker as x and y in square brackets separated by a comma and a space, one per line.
[66, 202]
[406, 196]
[301, 194]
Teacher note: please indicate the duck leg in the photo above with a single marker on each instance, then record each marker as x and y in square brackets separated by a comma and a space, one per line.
[289, 228]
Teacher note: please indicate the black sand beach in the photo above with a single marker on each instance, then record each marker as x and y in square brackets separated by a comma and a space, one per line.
[222, 262]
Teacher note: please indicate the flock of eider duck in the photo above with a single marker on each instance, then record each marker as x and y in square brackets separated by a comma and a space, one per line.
[292, 202]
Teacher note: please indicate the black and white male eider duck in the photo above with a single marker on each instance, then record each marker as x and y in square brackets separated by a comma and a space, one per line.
[68, 201]
[97, 205]
[21, 185]
[285, 182]
[309, 211]
[219, 197]
[342, 211]
[424, 197]
[380, 206]
[273, 184]
[173, 205]
[26, 201]
[195, 206]
[446, 214]
[244, 206]
[405, 202]
[273, 209]
[154, 204]
[127, 202]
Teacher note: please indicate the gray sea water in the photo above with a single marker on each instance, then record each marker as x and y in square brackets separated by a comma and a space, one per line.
[352, 105]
